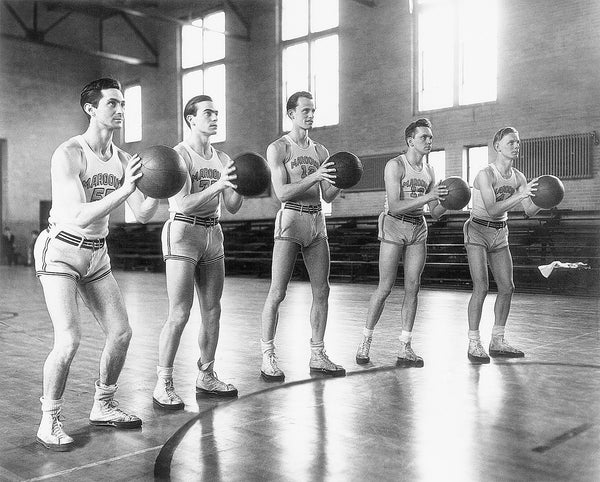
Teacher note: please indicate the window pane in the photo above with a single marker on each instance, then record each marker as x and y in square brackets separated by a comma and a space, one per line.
[324, 14]
[294, 18]
[214, 85]
[191, 44]
[478, 160]
[192, 84]
[214, 42]
[436, 57]
[133, 113]
[325, 80]
[437, 160]
[478, 48]
[294, 74]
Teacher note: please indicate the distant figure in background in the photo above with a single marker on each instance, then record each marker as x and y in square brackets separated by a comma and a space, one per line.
[34, 235]
[497, 188]
[90, 178]
[8, 241]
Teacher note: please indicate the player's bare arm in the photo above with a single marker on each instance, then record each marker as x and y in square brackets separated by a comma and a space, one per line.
[68, 194]
[232, 200]
[483, 182]
[285, 191]
[190, 202]
[440, 192]
[328, 190]
[143, 207]
[393, 176]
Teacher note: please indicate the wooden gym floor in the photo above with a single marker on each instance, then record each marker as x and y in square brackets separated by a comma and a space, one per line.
[537, 418]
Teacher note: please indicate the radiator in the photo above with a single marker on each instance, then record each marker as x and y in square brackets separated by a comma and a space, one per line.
[566, 156]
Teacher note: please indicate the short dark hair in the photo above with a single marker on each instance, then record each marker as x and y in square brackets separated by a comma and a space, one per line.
[292, 102]
[498, 136]
[191, 108]
[412, 127]
[92, 92]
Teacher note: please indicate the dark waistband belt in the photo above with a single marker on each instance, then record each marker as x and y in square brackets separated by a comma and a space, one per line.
[184, 218]
[80, 242]
[489, 224]
[409, 219]
[303, 208]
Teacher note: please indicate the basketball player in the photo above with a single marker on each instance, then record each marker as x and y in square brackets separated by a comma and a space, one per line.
[300, 176]
[192, 243]
[496, 189]
[409, 186]
[90, 178]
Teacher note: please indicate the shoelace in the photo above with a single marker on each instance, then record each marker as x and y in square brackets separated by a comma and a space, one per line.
[170, 391]
[57, 427]
[273, 361]
[365, 346]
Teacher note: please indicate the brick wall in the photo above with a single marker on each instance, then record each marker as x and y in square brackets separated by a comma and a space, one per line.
[548, 85]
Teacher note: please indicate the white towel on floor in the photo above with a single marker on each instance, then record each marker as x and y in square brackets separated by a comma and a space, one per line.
[547, 269]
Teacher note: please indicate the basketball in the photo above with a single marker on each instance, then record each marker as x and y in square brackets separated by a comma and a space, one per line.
[459, 193]
[163, 172]
[253, 174]
[550, 192]
[348, 169]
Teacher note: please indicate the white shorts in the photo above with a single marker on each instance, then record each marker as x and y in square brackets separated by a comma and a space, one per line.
[65, 254]
[301, 227]
[194, 243]
[402, 232]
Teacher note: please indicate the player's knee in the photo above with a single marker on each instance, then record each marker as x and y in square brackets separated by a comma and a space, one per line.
[412, 286]
[480, 290]
[506, 289]
[121, 337]
[321, 294]
[277, 295]
[179, 315]
[66, 345]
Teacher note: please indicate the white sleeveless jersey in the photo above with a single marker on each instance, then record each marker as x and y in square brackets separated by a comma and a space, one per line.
[503, 189]
[299, 163]
[414, 184]
[98, 179]
[202, 173]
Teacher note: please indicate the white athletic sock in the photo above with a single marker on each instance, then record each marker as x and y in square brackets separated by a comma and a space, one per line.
[51, 406]
[405, 336]
[498, 331]
[267, 346]
[474, 335]
[165, 373]
[204, 367]
[317, 346]
[368, 333]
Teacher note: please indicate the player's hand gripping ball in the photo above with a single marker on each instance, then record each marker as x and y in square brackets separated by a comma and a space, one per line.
[348, 169]
[550, 192]
[253, 174]
[459, 193]
[163, 172]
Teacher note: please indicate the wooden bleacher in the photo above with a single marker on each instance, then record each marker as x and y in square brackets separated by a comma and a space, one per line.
[556, 235]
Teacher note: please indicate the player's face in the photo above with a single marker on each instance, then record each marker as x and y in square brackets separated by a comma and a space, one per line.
[110, 112]
[422, 141]
[206, 118]
[304, 113]
[509, 146]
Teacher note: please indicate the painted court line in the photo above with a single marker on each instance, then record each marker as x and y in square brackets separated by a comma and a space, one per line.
[562, 438]
[94, 464]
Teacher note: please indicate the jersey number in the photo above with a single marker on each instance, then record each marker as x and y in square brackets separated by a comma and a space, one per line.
[100, 192]
[205, 183]
[307, 170]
